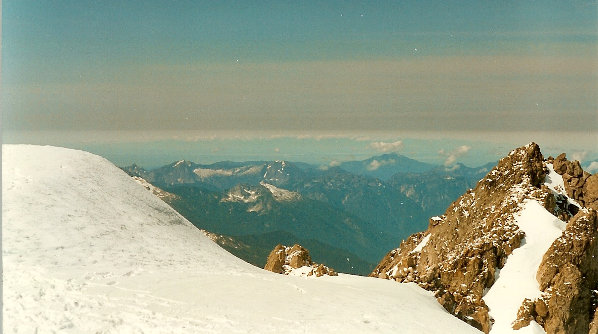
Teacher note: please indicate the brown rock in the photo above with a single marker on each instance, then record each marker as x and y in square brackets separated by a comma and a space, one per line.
[473, 239]
[560, 164]
[574, 169]
[541, 308]
[594, 323]
[283, 260]
[590, 189]
[276, 259]
[525, 314]
[568, 274]
[299, 257]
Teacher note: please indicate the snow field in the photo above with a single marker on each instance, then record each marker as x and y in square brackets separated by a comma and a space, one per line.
[86, 249]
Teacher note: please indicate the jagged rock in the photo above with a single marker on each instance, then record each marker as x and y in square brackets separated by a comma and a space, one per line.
[590, 190]
[575, 180]
[284, 260]
[321, 270]
[568, 275]
[276, 259]
[525, 314]
[299, 257]
[458, 255]
[559, 164]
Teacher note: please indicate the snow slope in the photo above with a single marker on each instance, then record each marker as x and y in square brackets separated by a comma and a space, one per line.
[517, 279]
[88, 250]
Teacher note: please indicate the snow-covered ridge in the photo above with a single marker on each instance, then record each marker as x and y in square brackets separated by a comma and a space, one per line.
[165, 195]
[209, 172]
[86, 250]
[280, 194]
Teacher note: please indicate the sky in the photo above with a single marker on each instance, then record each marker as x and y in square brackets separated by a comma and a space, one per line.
[152, 81]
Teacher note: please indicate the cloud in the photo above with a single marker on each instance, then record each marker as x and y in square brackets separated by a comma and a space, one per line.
[452, 156]
[375, 164]
[593, 167]
[277, 150]
[579, 156]
[334, 163]
[381, 146]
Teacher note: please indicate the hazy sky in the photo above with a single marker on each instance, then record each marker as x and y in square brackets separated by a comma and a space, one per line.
[107, 74]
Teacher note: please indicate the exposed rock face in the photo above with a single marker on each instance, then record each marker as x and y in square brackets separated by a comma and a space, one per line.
[295, 260]
[580, 185]
[457, 257]
[568, 278]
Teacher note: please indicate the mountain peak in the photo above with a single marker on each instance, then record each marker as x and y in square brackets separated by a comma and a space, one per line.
[461, 253]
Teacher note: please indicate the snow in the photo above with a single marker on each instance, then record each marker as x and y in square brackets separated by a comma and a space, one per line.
[279, 194]
[206, 172]
[555, 182]
[517, 279]
[421, 244]
[88, 250]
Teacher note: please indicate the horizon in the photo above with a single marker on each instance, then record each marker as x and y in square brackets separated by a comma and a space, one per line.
[145, 81]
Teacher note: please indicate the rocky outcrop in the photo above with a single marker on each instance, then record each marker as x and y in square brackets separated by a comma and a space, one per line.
[568, 278]
[457, 257]
[580, 186]
[295, 260]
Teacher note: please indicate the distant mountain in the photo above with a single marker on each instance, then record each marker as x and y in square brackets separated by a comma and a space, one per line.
[350, 210]
[386, 165]
[250, 210]
[435, 189]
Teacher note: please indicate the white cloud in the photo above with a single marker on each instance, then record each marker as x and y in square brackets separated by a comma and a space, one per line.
[593, 167]
[334, 163]
[452, 156]
[375, 164]
[579, 156]
[277, 150]
[381, 146]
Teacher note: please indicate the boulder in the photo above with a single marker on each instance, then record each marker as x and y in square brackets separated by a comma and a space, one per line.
[276, 259]
[285, 260]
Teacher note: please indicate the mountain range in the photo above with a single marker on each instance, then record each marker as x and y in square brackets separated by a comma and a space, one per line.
[352, 207]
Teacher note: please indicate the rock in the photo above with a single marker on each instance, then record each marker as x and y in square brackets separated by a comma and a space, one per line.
[284, 260]
[560, 164]
[458, 256]
[276, 259]
[594, 323]
[321, 270]
[574, 169]
[567, 276]
[590, 189]
[298, 257]
[461, 256]
[541, 308]
[525, 314]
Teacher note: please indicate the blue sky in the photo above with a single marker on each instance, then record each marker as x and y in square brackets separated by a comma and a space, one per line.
[121, 77]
